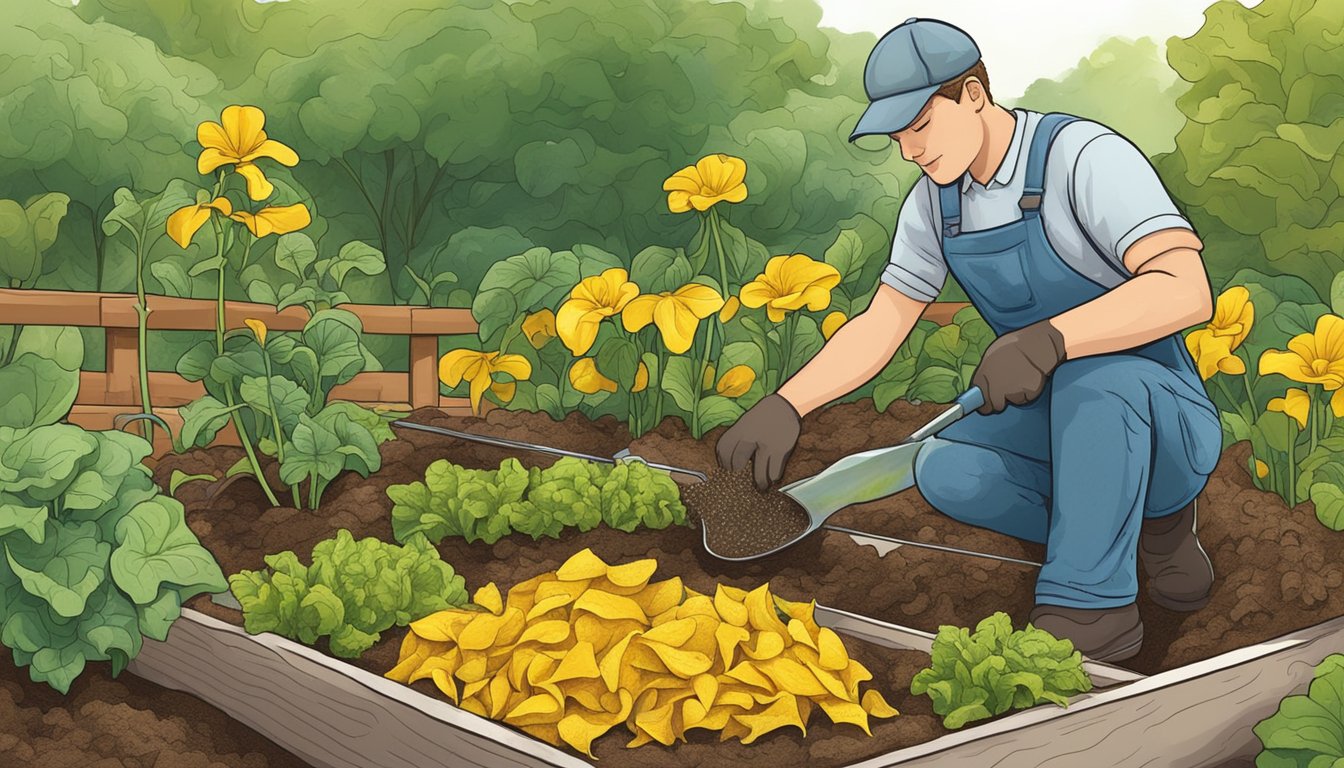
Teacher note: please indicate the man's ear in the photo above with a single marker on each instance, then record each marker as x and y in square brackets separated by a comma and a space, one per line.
[973, 89]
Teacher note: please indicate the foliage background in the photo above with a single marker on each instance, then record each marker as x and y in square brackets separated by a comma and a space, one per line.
[451, 137]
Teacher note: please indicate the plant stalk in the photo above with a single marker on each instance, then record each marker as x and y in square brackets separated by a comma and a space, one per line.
[247, 448]
[275, 425]
[1292, 463]
[142, 336]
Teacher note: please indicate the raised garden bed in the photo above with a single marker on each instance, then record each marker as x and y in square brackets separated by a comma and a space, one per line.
[1262, 593]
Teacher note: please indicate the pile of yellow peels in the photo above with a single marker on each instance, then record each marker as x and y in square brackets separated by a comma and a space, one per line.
[576, 652]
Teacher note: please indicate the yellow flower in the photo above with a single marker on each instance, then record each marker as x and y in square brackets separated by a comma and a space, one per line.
[1312, 358]
[1295, 403]
[707, 378]
[1261, 468]
[185, 222]
[238, 140]
[479, 368]
[591, 301]
[1233, 315]
[677, 314]
[1213, 354]
[1337, 403]
[714, 178]
[789, 283]
[275, 220]
[730, 308]
[736, 381]
[832, 323]
[539, 327]
[258, 329]
[585, 377]
[641, 378]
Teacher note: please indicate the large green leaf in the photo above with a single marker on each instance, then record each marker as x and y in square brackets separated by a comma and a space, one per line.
[295, 252]
[1329, 501]
[656, 269]
[359, 256]
[535, 278]
[16, 516]
[618, 359]
[336, 345]
[282, 396]
[201, 421]
[36, 391]
[681, 380]
[158, 549]
[717, 410]
[314, 450]
[42, 462]
[64, 569]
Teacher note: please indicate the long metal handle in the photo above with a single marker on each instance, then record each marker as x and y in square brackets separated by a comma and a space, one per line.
[968, 401]
[502, 442]
[922, 545]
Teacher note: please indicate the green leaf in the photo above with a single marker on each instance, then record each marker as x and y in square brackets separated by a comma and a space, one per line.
[201, 421]
[20, 517]
[535, 278]
[126, 212]
[157, 549]
[494, 309]
[618, 359]
[64, 569]
[42, 462]
[1329, 501]
[211, 264]
[281, 396]
[155, 618]
[594, 260]
[38, 391]
[548, 400]
[313, 451]
[656, 269]
[174, 281]
[295, 252]
[846, 255]
[335, 340]
[681, 380]
[19, 261]
[717, 410]
[935, 384]
[44, 217]
[179, 478]
[359, 256]
[807, 342]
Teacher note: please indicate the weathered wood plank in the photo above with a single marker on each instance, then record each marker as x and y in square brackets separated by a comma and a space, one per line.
[1197, 716]
[331, 714]
[32, 307]
[424, 371]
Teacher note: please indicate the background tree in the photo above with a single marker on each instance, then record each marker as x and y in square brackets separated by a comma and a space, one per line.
[1258, 162]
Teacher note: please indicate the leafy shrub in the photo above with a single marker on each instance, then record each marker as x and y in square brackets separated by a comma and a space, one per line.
[1307, 731]
[488, 504]
[935, 364]
[986, 673]
[95, 558]
[353, 591]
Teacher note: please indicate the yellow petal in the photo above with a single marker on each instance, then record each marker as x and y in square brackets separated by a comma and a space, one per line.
[707, 378]
[577, 326]
[756, 293]
[212, 137]
[1261, 468]
[736, 381]
[761, 612]
[183, 224]
[832, 650]
[1337, 403]
[632, 574]
[275, 220]
[258, 186]
[539, 327]
[516, 366]
[685, 180]
[700, 300]
[641, 378]
[585, 377]
[678, 202]
[275, 151]
[243, 126]
[454, 365]
[676, 324]
[832, 324]
[609, 606]
[504, 390]
[876, 705]
[730, 609]
[1296, 403]
[579, 663]
[258, 329]
[212, 158]
[582, 565]
[638, 313]
[783, 712]
[730, 308]
[845, 712]
[488, 597]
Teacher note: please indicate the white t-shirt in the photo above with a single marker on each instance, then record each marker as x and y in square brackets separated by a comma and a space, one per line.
[1101, 196]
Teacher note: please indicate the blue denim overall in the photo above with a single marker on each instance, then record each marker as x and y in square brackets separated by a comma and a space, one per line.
[1112, 439]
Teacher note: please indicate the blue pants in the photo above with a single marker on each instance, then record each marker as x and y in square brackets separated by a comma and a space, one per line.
[1112, 439]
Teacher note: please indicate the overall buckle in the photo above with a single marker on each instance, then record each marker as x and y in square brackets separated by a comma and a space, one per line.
[1030, 202]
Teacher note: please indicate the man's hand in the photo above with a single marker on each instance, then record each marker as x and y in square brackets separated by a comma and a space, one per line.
[1016, 365]
[764, 435]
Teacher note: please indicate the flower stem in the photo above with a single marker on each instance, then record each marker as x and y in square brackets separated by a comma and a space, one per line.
[247, 448]
[1313, 393]
[142, 353]
[275, 425]
[1292, 463]
[700, 380]
[718, 246]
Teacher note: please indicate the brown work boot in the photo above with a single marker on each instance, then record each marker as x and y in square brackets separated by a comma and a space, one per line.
[1180, 575]
[1101, 634]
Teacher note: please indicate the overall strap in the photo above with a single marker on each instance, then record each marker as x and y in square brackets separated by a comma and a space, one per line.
[949, 203]
[1034, 186]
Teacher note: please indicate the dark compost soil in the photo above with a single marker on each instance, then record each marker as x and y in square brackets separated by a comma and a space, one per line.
[123, 723]
[739, 520]
[1278, 569]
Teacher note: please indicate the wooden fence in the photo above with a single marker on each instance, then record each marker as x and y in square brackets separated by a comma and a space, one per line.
[103, 395]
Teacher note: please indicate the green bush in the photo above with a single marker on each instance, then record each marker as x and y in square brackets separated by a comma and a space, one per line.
[1307, 731]
[353, 591]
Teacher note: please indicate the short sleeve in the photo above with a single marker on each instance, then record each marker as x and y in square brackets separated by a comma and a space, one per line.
[917, 267]
[1118, 198]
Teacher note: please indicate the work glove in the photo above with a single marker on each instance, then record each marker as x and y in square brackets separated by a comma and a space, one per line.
[1016, 366]
[765, 436]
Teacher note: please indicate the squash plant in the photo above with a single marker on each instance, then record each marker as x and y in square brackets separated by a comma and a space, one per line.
[95, 557]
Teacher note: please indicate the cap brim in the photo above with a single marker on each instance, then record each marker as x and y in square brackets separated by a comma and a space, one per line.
[892, 114]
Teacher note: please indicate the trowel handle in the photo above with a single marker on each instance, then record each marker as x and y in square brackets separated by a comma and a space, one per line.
[968, 401]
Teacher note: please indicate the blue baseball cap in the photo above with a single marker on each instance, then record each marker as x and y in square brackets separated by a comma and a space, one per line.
[907, 66]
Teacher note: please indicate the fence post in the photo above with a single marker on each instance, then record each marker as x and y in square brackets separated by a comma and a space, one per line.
[123, 370]
[423, 371]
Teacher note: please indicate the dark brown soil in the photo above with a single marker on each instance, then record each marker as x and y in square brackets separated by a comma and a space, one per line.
[127, 722]
[738, 519]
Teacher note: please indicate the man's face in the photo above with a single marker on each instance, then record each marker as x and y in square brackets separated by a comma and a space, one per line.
[946, 136]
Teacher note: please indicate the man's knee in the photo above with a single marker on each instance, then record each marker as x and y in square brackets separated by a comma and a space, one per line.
[1106, 379]
[951, 475]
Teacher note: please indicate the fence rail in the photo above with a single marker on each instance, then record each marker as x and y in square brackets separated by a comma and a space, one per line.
[105, 394]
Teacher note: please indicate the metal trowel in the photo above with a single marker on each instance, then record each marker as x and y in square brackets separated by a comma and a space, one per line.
[863, 477]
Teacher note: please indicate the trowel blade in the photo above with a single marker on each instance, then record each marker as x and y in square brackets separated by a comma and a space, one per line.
[855, 479]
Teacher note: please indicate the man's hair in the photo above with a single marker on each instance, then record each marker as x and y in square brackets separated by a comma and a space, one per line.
[952, 88]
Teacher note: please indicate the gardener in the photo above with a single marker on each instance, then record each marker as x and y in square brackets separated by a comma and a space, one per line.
[1096, 434]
